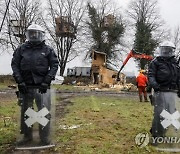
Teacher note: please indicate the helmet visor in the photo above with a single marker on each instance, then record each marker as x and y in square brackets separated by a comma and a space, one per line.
[35, 36]
[166, 51]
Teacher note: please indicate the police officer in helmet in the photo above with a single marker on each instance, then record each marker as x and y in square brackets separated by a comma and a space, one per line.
[163, 75]
[34, 66]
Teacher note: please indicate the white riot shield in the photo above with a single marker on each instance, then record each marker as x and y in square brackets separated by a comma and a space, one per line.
[166, 122]
[37, 119]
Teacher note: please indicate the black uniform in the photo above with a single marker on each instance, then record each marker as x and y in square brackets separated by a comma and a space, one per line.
[163, 75]
[34, 66]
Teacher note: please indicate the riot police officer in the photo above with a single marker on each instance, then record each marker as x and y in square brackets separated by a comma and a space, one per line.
[34, 66]
[164, 78]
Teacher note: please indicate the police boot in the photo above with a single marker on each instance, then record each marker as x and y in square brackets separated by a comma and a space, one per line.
[145, 99]
[45, 142]
[24, 141]
[153, 139]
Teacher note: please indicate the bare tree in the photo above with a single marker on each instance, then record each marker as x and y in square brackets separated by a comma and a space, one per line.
[4, 6]
[62, 21]
[4, 13]
[146, 11]
[176, 38]
[20, 15]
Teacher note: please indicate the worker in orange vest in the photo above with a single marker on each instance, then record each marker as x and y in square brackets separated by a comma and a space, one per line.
[142, 82]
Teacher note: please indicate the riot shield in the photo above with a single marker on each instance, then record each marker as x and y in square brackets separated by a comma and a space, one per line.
[166, 122]
[37, 114]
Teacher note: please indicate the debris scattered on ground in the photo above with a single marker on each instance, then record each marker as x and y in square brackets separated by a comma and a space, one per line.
[111, 104]
[117, 87]
[73, 126]
[58, 80]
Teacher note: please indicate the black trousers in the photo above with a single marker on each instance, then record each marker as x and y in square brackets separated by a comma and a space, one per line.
[163, 101]
[41, 101]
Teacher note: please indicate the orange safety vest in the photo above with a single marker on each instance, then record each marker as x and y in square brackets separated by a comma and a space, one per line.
[141, 80]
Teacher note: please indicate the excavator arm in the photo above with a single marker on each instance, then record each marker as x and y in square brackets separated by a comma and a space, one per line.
[134, 54]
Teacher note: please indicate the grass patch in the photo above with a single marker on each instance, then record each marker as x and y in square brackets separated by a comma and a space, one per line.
[66, 88]
[8, 123]
[3, 86]
[105, 125]
[6, 80]
[102, 125]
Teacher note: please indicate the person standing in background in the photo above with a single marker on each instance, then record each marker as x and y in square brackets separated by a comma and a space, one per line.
[142, 83]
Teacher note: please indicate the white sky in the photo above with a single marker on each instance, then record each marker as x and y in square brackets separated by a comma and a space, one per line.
[169, 10]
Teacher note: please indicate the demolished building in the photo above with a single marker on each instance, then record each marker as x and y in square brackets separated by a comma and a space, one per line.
[101, 72]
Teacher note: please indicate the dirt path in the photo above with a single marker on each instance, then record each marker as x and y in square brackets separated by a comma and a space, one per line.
[65, 100]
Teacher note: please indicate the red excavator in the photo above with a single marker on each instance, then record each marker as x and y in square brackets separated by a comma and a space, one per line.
[134, 54]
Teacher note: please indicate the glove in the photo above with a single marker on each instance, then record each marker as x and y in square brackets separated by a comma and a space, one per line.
[22, 87]
[178, 93]
[43, 88]
[157, 89]
[47, 79]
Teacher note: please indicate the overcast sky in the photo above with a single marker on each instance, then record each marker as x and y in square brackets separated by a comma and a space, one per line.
[169, 10]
